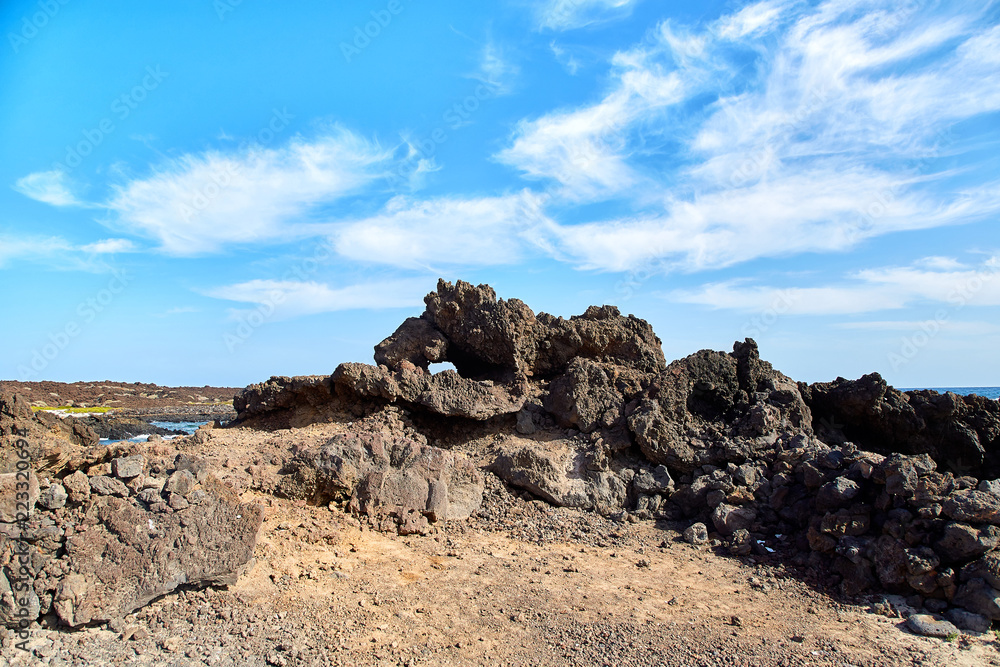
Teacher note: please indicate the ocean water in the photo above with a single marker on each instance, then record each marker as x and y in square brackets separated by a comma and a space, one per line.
[186, 427]
[988, 392]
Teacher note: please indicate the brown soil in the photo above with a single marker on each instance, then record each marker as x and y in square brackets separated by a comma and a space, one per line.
[520, 583]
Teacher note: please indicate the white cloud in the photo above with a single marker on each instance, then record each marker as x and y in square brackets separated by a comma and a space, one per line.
[109, 246]
[568, 60]
[569, 14]
[31, 248]
[871, 290]
[284, 299]
[447, 231]
[751, 19]
[49, 187]
[496, 70]
[200, 203]
[823, 128]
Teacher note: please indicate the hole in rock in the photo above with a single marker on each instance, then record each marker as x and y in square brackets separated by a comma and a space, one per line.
[443, 366]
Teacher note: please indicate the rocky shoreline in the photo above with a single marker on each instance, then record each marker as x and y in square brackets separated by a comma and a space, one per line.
[862, 489]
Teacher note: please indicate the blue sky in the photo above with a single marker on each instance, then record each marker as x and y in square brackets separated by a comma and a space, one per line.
[203, 192]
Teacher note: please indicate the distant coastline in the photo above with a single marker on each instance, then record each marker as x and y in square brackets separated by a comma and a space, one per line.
[988, 392]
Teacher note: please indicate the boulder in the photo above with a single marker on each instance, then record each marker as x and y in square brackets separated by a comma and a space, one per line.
[713, 408]
[416, 341]
[131, 556]
[728, 518]
[591, 395]
[961, 542]
[563, 472]
[956, 431]
[495, 338]
[974, 506]
[979, 597]
[930, 626]
[284, 402]
[385, 474]
[968, 621]
[18, 494]
[446, 393]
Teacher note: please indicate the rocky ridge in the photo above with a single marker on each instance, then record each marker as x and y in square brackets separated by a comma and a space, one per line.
[869, 485]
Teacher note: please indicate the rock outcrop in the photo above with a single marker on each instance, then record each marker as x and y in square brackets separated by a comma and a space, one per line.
[962, 433]
[107, 541]
[873, 488]
[386, 476]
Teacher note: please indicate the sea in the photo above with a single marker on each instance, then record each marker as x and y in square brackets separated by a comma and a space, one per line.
[988, 392]
[185, 427]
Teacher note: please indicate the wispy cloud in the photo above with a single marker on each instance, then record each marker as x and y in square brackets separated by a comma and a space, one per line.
[291, 299]
[871, 290]
[777, 129]
[569, 14]
[447, 232]
[109, 247]
[49, 187]
[58, 253]
[496, 70]
[200, 203]
[31, 248]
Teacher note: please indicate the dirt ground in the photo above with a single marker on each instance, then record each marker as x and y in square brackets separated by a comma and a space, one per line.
[519, 583]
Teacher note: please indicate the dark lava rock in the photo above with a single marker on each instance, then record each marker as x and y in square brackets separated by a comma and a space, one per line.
[446, 393]
[487, 336]
[974, 506]
[961, 542]
[956, 431]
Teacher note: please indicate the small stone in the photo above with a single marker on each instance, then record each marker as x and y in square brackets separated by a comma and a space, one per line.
[696, 533]
[77, 487]
[149, 496]
[127, 467]
[181, 482]
[968, 621]
[54, 497]
[973, 506]
[177, 501]
[990, 486]
[741, 544]
[930, 626]
[108, 486]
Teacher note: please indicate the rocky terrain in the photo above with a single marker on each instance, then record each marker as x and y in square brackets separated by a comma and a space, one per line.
[134, 396]
[565, 488]
[118, 410]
